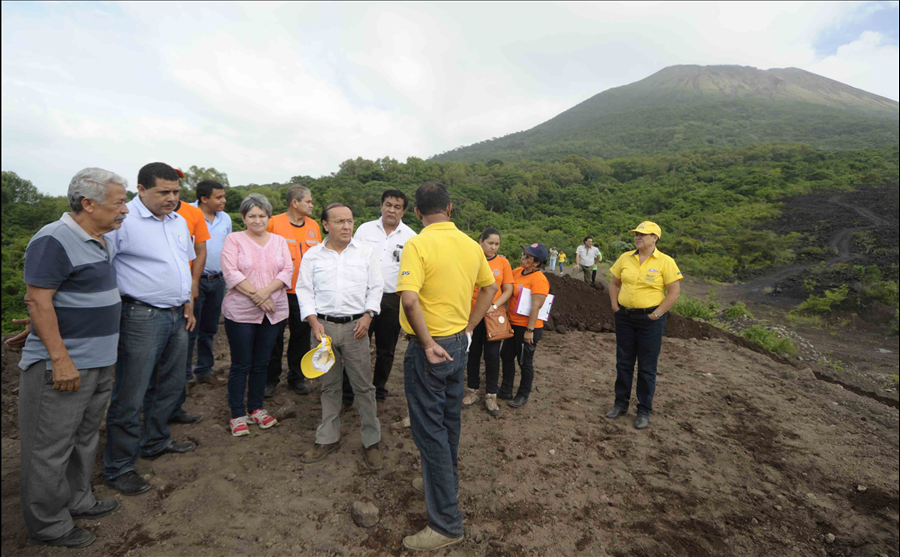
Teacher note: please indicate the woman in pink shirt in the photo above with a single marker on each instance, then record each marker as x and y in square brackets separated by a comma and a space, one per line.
[257, 266]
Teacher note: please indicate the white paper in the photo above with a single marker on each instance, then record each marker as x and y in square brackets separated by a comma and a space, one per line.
[524, 306]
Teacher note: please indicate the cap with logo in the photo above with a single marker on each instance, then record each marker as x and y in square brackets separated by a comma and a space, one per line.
[647, 227]
[538, 251]
[319, 360]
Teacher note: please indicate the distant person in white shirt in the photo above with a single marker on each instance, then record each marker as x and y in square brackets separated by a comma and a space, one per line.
[386, 236]
[339, 291]
[585, 256]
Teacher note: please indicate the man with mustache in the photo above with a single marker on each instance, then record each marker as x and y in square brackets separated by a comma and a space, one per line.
[68, 359]
[152, 251]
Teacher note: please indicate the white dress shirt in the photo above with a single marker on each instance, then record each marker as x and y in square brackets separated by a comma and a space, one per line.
[339, 284]
[388, 246]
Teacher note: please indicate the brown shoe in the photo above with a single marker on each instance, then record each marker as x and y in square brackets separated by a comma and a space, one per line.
[401, 425]
[211, 379]
[318, 452]
[373, 458]
[428, 539]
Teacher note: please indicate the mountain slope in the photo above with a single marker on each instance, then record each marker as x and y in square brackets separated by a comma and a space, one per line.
[690, 107]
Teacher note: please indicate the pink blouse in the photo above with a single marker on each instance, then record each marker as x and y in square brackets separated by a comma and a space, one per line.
[243, 259]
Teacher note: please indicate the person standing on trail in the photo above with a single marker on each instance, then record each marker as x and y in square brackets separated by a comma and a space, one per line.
[585, 255]
[644, 287]
[68, 360]
[302, 234]
[151, 251]
[438, 272]
[339, 290]
[527, 329]
[554, 254]
[562, 261]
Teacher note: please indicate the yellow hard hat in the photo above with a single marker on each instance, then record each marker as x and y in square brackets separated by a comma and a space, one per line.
[319, 360]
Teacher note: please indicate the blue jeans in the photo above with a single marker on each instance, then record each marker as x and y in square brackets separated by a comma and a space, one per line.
[207, 309]
[149, 375]
[434, 395]
[251, 347]
[637, 338]
[560, 267]
[552, 263]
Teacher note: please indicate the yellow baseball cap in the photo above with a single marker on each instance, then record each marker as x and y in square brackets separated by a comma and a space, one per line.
[319, 360]
[648, 227]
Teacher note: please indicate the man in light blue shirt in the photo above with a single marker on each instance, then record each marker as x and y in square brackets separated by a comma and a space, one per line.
[151, 252]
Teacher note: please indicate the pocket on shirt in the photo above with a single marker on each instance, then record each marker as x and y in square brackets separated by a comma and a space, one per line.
[324, 278]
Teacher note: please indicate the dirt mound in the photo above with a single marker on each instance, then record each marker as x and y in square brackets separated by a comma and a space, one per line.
[583, 307]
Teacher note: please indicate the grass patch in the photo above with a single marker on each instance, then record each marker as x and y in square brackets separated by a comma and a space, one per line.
[826, 302]
[695, 308]
[769, 340]
[737, 310]
[794, 320]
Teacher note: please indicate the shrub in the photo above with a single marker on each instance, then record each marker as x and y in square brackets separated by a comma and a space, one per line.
[826, 302]
[769, 340]
[737, 310]
[695, 308]
[795, 320]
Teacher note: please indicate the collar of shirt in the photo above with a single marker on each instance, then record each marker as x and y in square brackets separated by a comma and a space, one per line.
[145, 212]
[76, 228]
[401, 227]
[438, 226]
[654, 254]
[353, 244]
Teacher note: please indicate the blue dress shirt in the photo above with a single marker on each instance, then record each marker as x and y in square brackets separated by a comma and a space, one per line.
[218, 230]
[151, 257]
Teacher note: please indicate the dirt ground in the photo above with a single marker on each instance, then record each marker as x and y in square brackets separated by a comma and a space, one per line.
[745, 456]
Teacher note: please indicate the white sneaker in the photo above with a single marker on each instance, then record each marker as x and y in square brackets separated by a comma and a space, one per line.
[428, 539]
[490, 402]
[470, 398]
[239, 426]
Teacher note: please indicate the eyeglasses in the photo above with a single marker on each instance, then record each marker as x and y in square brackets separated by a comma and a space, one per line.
[528, 256]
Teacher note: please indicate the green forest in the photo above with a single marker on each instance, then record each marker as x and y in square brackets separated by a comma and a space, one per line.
[712, 204]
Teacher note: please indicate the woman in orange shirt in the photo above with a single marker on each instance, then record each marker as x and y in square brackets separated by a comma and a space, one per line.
[528, 329]
[490, 243]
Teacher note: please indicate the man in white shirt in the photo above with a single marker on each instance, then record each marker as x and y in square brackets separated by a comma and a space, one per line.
[386, 236]
[339, 292]
[585, 256]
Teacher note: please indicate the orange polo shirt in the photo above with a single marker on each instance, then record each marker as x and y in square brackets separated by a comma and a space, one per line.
[537, 283]
[299, 239]
[196, 223]
[502, 274]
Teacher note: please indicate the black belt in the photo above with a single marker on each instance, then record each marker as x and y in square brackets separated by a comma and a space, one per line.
[332, 319]
[211, 276]
[639, 311]
[130, 300]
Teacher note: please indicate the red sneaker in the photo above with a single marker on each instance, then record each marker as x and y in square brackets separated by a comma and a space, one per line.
[262, 418]
[239, 426]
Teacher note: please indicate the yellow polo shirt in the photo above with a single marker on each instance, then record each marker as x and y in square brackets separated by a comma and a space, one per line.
[443, 266]
[642, 285]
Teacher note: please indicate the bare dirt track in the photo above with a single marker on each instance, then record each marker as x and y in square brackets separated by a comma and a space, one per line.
[745, 456]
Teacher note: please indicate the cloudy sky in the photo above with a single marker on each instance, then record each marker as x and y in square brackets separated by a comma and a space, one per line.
[264, 92]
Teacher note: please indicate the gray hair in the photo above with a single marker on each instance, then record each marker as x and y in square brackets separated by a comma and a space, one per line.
[93, 184]
[296, 192]
[255, 200]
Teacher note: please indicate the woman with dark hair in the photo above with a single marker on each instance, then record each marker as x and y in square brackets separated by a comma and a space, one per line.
[490, 243]
[527, 329]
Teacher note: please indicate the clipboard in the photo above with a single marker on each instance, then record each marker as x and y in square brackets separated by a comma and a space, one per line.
[524, 305]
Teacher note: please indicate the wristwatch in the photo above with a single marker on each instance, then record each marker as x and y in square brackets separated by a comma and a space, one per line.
[527, 330]
[494, 307]
[371, 313]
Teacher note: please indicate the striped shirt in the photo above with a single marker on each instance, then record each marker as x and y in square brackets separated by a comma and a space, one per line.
[65, 258]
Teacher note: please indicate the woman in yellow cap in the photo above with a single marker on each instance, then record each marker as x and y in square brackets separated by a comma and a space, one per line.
[644, 287]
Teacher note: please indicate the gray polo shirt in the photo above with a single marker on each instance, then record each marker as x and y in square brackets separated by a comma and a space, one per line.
[65, 258]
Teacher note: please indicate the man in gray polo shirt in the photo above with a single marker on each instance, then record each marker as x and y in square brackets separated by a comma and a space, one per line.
[68, 359]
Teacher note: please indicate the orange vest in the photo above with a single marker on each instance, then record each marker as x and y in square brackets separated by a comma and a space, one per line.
[299, 239]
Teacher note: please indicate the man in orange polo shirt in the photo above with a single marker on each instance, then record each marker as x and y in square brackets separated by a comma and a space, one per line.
[301, 233]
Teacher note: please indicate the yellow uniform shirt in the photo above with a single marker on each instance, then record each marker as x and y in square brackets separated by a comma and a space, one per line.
[443, 266]
[642, 285]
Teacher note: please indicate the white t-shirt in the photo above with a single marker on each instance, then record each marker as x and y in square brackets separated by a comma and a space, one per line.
[586, 257]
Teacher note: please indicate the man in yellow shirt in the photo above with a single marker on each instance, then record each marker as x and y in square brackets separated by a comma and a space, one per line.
[439, 269]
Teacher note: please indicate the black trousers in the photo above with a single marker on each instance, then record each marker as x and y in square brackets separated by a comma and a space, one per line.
[491, 350]
[514, 349]
[298, 345]
[386, 328]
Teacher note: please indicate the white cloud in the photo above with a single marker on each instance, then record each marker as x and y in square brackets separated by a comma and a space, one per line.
[869, 63]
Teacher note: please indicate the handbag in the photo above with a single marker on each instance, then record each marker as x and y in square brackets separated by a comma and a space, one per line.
[496, 324]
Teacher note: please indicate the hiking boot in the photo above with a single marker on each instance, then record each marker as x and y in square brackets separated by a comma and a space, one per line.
[239, 426]
[73, 539]
[490, 403]
[428, 539]
[419, 484]
[318, 452]
[373, 459]
[470, 398]
[261, 418]
[401, 425]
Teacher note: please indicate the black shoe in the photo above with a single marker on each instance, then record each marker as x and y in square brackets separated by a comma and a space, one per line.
[185, 418]
[616, 412]
[173, 448]
[301, 388]
[101, 509]
[517, 402]
[641, 422]
[129, 483]
[74, 539]
[504, 396]
[270, 390]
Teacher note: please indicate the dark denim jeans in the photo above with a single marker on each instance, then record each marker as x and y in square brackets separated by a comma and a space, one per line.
[491, 352]
[298, 346]
[251, 347]
[207, 309]
[434, 395]
[637, 338]
[515, 349]
[149, 375]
